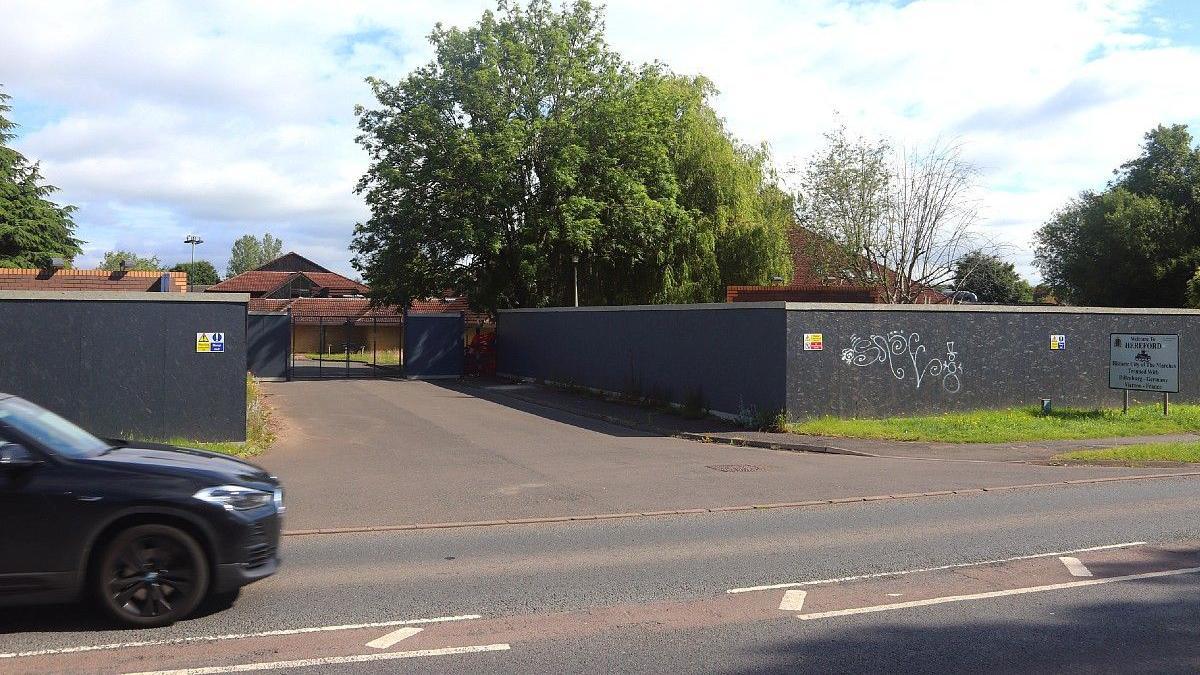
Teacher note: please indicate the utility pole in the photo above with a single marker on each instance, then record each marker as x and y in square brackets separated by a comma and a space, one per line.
[575, 265]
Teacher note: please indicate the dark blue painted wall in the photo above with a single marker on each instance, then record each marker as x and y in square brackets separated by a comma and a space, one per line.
[729, 358]
[268, 344]
[129, 368]
[433, 346]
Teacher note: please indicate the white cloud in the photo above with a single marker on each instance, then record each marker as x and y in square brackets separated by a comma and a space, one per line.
[237, 117]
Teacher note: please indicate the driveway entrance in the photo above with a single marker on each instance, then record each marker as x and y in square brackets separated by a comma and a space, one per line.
[365, 452]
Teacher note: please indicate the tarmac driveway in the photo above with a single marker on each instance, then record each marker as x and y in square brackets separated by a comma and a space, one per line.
[394, 452]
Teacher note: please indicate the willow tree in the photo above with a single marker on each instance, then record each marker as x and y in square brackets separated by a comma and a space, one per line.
[527, 148]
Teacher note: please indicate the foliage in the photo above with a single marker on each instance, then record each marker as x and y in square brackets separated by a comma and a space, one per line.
[200, 273]
[249, 252]
[33, 229]
[527, 143]
[112, 262]
[897, 221]
[1136, 243]
[1011, 424]
[1132, 455]
[991, 279]
[1193, 290]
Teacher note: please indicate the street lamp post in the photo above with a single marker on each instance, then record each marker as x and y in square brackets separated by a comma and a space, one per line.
[193, 240]
[575, 265]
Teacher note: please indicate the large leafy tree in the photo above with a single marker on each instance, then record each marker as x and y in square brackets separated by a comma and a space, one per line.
[1137, 242]
[528, 148]
[991, 279]
[117, 260]
[200, 273]
[33, 229]
[249, 252]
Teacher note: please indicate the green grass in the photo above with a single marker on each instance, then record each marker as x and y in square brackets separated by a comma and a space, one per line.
[383, 357]
[260, 432]
[1136, 454]
[1012, 424]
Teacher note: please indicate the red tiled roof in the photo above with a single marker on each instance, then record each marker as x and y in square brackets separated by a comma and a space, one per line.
[336, 281]
[252, 282]
[21, 279]
[268, 305]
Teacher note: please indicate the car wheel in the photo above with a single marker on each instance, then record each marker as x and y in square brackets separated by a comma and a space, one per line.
[151, 575]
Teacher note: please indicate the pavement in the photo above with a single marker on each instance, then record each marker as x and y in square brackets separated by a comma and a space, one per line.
[709, 429]
[952, 583]
[386, 453]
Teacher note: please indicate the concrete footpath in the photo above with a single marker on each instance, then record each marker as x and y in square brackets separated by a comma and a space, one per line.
[672, 424]
[387, 453]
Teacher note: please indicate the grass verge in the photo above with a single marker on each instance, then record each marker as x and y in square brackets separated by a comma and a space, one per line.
[260, 428]
[1135, 454]
[1011, 424]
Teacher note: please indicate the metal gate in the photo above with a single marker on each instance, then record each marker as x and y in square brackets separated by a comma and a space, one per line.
[346, 347]
[433, 345]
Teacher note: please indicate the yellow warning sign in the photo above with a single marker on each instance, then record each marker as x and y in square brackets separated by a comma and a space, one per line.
[210, 342]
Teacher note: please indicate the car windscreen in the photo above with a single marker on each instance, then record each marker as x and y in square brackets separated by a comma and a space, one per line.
[49, 429]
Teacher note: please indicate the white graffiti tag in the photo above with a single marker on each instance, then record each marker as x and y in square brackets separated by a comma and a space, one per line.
[903, 353]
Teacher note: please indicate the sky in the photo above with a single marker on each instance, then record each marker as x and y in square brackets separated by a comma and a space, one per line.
[162, 119]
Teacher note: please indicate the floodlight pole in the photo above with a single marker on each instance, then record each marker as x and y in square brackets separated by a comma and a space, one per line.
[575, 266]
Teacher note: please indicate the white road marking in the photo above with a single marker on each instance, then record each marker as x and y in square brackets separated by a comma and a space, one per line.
[993, 594]
[394, 637]
[876, 575]
[1076, 568]
[329, 660]
[232, 636]
[793, 601]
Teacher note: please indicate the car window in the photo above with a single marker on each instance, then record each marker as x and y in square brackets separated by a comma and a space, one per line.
[49, 429]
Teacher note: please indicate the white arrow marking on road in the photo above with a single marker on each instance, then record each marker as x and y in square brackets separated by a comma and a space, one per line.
[793, 601]
[1076, 568]
[394, 637]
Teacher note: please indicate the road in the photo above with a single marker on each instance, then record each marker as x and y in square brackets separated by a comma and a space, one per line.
[652, 594]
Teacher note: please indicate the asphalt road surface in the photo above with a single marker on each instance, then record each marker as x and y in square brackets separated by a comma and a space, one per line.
[1075, 578]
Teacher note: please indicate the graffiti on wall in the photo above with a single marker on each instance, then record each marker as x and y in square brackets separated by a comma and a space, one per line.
[904, 356]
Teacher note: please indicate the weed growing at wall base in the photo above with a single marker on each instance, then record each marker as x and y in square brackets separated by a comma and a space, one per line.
[260, 428]
[1011, 424]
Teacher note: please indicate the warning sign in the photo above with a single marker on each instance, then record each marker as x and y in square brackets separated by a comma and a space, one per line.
[814, 342]
[210, 342]
[1058, 342]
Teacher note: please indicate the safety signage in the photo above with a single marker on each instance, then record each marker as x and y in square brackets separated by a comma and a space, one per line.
[814, 342]
[210, 342]
[1058, 342]
[1143, 362]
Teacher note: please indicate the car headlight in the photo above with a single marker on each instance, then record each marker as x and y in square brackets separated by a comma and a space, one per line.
[235, 497]
[278, 499]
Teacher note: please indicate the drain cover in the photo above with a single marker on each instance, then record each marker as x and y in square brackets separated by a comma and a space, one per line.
[734, 468]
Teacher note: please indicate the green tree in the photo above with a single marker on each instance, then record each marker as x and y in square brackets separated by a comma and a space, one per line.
[527, 144]
[896, 221]
[991, 279]
[249, 252]
[33, 229]
[113, 259]
[1137, 242]
[200, 273]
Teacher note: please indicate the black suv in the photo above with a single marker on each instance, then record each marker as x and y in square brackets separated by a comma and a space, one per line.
[146, 530]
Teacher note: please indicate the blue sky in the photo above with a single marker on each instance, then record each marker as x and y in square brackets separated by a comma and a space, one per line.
[225, 118]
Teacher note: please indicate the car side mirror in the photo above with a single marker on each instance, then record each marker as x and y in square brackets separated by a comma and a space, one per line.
[16, 456]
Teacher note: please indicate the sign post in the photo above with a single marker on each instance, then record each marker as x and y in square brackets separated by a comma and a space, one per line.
[1144, 362]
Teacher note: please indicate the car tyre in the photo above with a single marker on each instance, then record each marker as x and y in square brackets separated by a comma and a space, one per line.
[151, 575]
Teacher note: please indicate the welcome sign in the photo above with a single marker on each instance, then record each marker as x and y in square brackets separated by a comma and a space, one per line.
[1143, 362]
